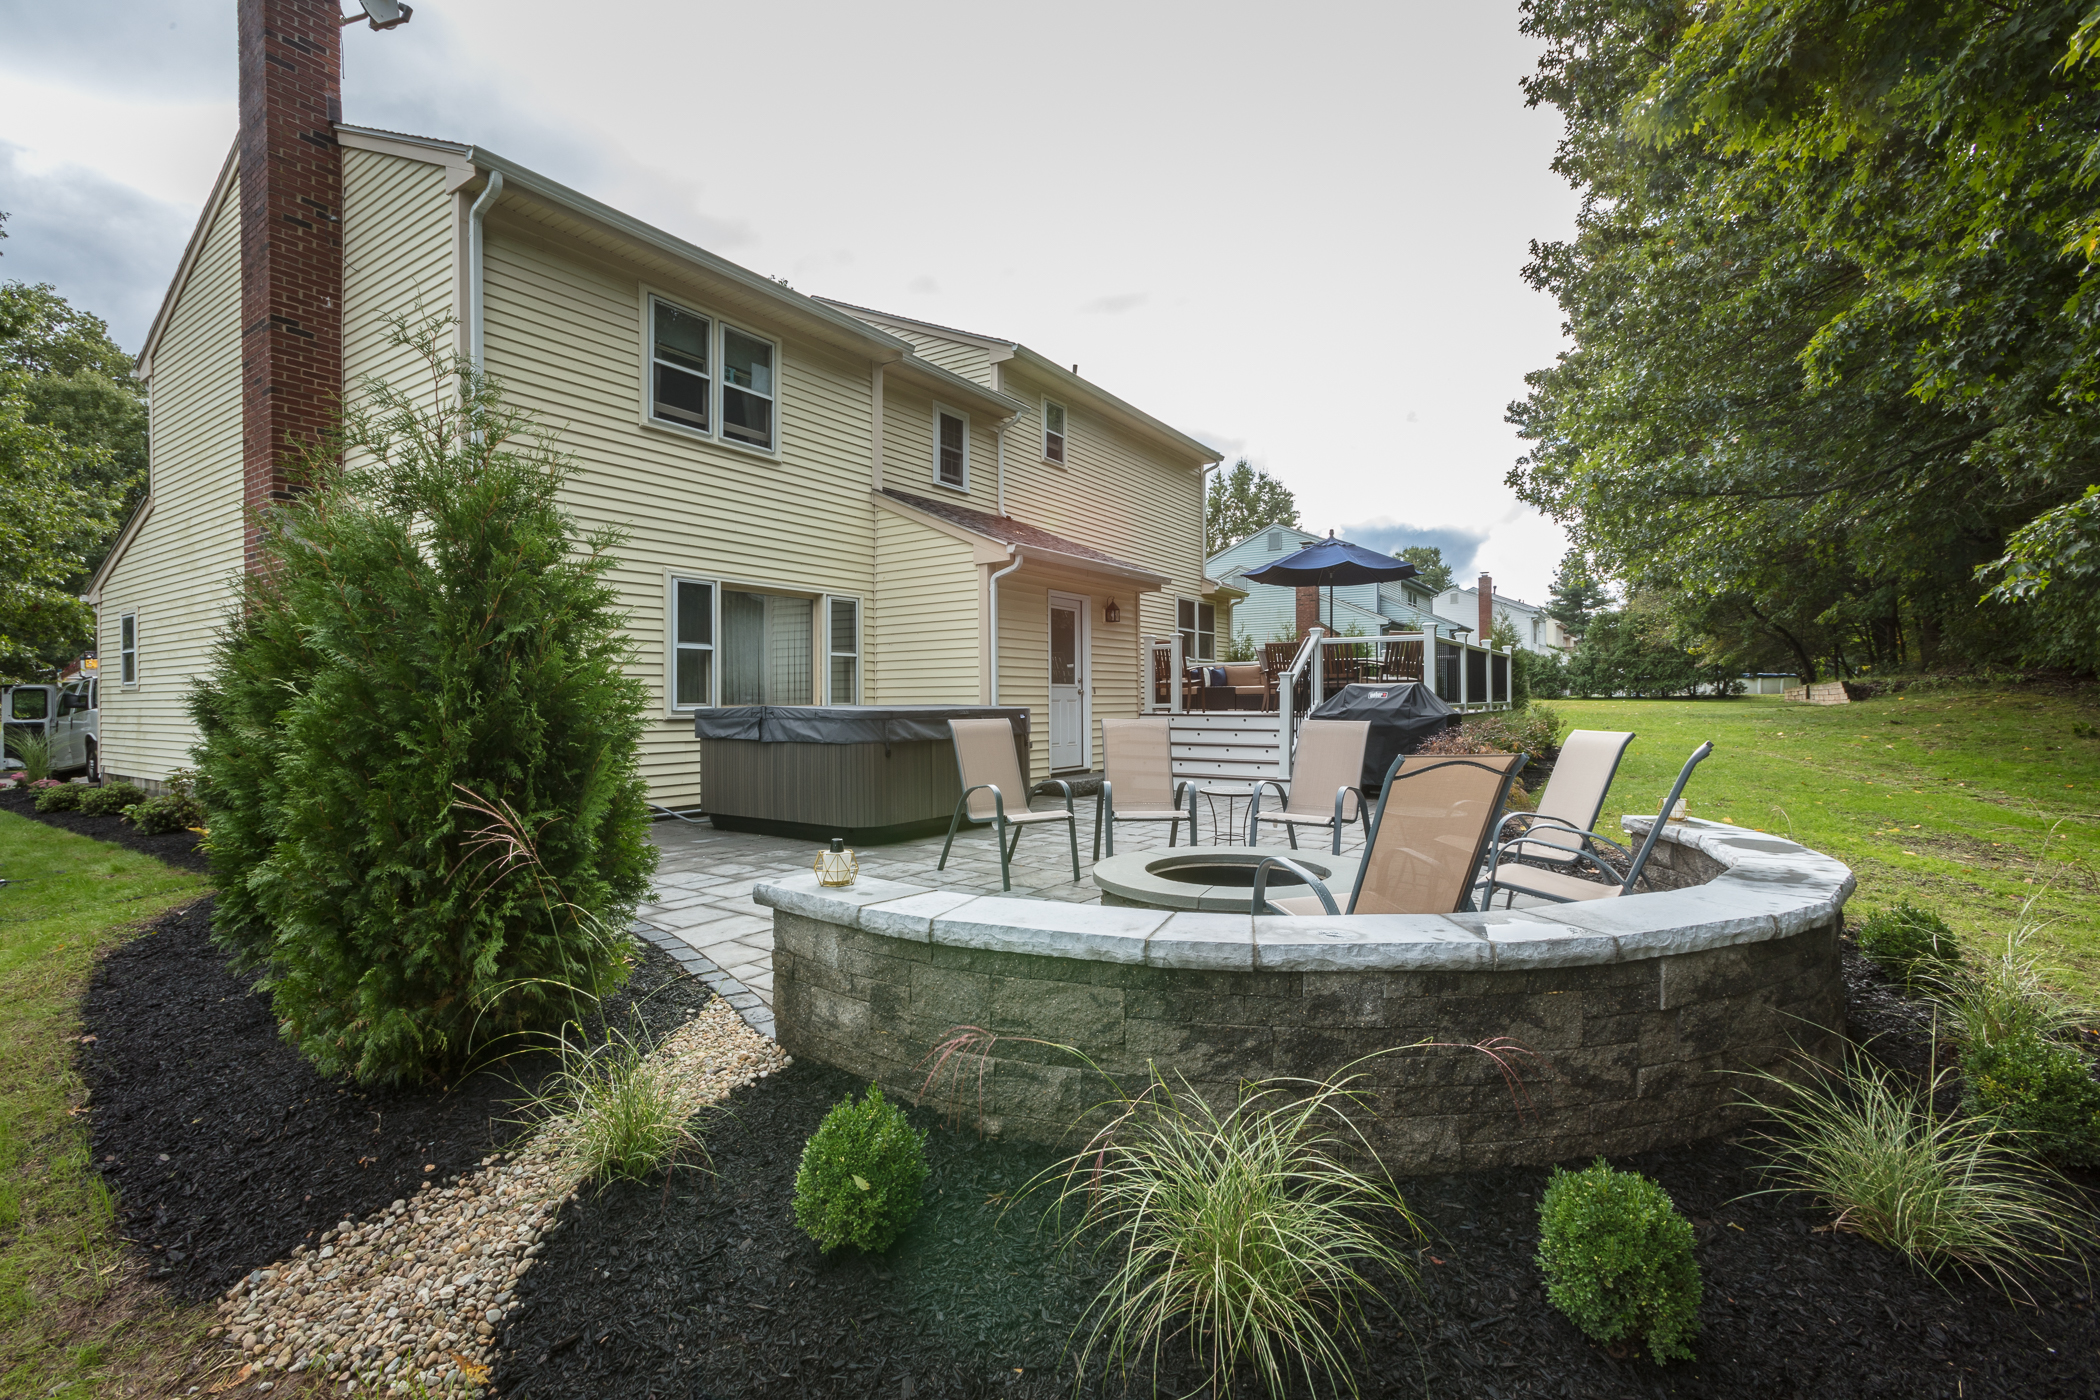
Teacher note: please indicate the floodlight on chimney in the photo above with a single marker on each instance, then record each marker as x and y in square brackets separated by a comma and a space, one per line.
[382, 14]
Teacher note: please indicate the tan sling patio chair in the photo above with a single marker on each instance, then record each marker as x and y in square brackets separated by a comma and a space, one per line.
[1563, 886]
[1327, 772]
[1434, 818]
[991, 779]
[1558, 832]
[1138, 782]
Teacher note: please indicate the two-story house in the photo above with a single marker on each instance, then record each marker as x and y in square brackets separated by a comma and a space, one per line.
[823, 504]
[1535, 630]
[1269, 613]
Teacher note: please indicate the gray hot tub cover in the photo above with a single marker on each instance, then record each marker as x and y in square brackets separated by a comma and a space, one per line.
[847, 724]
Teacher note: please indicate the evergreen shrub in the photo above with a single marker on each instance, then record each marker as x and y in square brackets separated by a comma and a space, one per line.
[1618, 1259]
[860, 1176]
[110, 799]
[59, 797]
[419, 754]
[2041, 1089]
[1909, 943]
[177, 809]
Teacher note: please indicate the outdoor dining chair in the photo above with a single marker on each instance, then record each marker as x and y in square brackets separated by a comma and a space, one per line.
[1434, 819]
[991, 775]
[1511, 867]
[1326, 772]
[1137, 781]
[1558, 831]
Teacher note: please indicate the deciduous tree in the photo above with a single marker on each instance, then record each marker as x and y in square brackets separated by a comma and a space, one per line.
[1244, 500]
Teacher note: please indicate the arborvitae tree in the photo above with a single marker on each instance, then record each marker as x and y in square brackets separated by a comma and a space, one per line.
[1575, 596]
[420, 739]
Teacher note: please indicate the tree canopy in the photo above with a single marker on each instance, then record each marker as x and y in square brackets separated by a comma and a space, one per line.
[1243, 500]
[1833, 353]
[1430, 568]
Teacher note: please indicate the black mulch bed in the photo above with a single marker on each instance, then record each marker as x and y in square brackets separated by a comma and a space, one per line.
[179, 848]
[226, 1148]
[702, 1287]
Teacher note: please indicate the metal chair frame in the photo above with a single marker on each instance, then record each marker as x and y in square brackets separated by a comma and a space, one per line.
[1105, 815]
[999, 819]
[1637, 862]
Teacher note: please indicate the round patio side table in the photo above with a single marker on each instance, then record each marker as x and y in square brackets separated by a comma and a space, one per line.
[1231, 794]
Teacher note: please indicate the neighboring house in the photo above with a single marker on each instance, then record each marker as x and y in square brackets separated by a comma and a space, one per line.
[1270, 613]
[823, 504]
[1535, 631]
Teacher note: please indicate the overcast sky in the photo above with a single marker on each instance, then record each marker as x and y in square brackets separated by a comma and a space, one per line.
[1295, 233]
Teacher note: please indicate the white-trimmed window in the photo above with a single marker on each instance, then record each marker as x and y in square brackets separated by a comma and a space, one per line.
[747, 388]
[692, 644]
[681, 386]
[843, 642]
[1198, 624]
[128, 648]
[1053, 432]
[951, 448]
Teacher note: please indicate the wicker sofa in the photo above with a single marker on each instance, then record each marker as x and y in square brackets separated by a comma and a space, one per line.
[1245, 686]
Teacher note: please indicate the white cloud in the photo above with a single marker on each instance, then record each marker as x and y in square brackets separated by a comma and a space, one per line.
[1115, 305]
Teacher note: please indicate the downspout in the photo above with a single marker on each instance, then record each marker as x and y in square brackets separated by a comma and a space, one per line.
[1014, 551]
[999, 457]
[475, 292]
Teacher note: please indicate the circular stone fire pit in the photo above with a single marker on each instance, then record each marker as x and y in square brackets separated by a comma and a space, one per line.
[1637, 1014]
[1215, 878]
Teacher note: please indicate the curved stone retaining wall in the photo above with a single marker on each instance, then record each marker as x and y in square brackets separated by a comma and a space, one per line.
[1638, 1007]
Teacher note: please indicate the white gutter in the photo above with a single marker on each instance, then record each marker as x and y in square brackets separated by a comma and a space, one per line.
[475, 293]
[1014, 551]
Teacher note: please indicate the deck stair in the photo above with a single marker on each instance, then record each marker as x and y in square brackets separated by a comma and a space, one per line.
[1227, 746]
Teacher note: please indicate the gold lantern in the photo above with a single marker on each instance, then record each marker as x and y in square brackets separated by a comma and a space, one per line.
[837, 865]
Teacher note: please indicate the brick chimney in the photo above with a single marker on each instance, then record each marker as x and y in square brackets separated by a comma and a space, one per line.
[1487, 605]
[291, 61]
[1308, 609]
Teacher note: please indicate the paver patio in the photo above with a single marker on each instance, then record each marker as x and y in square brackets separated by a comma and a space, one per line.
[701, 910]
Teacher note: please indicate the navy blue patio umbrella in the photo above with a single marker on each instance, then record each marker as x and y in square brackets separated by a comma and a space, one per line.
[1330, 562]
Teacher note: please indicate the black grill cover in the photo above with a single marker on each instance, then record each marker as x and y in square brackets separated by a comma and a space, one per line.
[1402, 715]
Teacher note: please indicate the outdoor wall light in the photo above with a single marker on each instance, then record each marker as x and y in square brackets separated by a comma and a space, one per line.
[1112, 613]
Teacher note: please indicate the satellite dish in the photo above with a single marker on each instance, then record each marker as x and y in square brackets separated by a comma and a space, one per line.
[382, 14]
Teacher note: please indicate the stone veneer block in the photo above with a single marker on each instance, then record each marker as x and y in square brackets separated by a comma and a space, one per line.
[1638, 1008]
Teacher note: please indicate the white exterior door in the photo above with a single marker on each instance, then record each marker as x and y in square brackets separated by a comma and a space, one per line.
[1071, 670]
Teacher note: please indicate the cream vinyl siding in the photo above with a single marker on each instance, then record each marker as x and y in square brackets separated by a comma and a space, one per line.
[1024, 664]
[908, 451]
[924, 625]
[180, 571]
[970, 361]
[397, 250]
[564, 333]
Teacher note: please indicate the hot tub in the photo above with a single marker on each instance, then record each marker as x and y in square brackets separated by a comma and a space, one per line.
[869, 773]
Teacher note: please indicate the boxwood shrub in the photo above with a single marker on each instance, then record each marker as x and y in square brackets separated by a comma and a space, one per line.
[60, 797]
[420, 738]
[110, 799]
[1618, 1260]
[2042, 1089]
[1909, 943]
[860, 1176]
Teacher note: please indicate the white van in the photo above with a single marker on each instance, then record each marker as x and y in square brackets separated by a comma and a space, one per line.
[69, 714]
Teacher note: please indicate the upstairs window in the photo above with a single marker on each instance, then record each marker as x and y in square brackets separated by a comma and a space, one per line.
[681, 386]
[951, 449]
[1199, 630]
[747, 389]
[1053, 432]
[128, 648]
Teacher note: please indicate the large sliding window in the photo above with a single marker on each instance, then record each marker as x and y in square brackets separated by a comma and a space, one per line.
[766, 649]
[739, 404]
[844, 648]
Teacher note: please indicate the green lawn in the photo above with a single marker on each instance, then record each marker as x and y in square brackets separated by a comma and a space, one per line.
[74, 1319]
[1969, 802]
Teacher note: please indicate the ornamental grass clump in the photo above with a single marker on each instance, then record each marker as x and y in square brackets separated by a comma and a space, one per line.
[1618, 1261]
[427, 666]
[861, 1175]
[1945, 1189]
[33, 752]
[1911, 944]
[1243, 1233]
[626, 1115]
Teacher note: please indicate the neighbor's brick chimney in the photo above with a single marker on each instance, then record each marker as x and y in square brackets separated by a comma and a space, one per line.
[1308, 610]
[1487, 606]
[291, 239]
